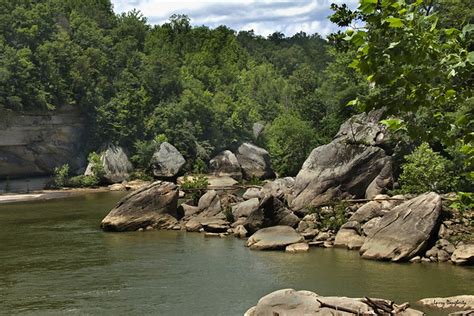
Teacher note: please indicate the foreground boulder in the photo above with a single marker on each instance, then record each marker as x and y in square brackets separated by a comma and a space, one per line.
[226, 164]
[276, 237]
[153, 206]
[116, 165]
[405, 231]
[291, 302]
[255, 162]
[167, 162]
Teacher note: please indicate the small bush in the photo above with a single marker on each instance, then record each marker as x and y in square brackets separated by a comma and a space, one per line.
[61, 176]
[196, 186]
[199, 167]
[144, 150]
[140, 175]
[83, 181]
[229, 216]
[97, 167]
[426, 170]
[463, 202]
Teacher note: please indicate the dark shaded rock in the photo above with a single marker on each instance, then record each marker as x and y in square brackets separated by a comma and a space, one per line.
[154, 205]
[167, 162]
[383, 181]
[255, 162]
[405, 231]
[225, 164]
[272, 211]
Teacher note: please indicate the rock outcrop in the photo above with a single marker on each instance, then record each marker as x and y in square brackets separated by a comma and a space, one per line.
[33, 145]
[116, 165]
[405, 231]
[153, 206]
[272, 238]
[350, 166]
[281, 187]
[225, 164]
[291, 302]
[255, 162]
[167, 162]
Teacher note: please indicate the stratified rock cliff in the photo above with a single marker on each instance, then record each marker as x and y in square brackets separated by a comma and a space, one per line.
[34, 144]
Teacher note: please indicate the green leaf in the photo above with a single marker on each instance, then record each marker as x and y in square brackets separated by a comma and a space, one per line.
[450, 93]
[394, 22]
[368, 6]
[470, 57]
[394, 124]
[468, 28]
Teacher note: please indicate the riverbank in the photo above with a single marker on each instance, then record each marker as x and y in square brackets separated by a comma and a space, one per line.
[44, 195]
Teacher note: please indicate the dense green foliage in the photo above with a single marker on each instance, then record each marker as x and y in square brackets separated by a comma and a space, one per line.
[201, 88]
[418, 57]
[426, 170]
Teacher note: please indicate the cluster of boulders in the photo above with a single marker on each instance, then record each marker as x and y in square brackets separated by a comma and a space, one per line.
[226, 169]
[248, 162]
[293, 214]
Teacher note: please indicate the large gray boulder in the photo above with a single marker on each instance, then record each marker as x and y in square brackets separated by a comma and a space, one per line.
[116, 165]
[271, 238]
[289, 302]
[463, 255]
[405, 231]
[352, 165]
[225, 164]
[255, 162]
[271, 211]
[167, 162]
[154, 206]
[336, 170]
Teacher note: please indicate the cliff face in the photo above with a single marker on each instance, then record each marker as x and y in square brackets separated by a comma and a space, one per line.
[34, 144]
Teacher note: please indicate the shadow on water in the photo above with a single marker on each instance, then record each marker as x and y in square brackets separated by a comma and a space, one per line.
[54, 259]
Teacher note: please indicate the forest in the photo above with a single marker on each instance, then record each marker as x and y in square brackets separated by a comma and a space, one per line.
[202, 89]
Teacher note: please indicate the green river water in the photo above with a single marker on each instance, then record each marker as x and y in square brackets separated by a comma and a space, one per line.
[55, 260]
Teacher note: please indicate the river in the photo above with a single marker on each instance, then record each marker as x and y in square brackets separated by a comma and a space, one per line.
[55, 260]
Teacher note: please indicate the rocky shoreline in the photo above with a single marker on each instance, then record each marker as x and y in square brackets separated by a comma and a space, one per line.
[291, 302]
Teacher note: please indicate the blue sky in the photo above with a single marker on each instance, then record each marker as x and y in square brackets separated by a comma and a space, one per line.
[263, 16]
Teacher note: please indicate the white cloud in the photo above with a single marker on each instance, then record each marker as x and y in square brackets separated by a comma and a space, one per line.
[264, 17]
